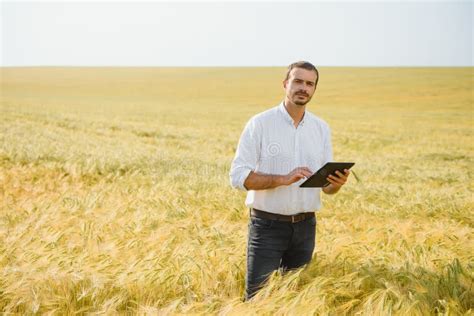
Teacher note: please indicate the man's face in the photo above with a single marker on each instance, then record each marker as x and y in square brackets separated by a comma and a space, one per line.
[300, 86]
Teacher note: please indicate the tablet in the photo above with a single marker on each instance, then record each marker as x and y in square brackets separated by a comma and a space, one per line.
[318, 179]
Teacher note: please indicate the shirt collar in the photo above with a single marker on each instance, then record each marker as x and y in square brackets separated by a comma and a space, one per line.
[287, 116]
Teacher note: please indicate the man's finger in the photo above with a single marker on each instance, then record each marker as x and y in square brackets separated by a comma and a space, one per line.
[307, 174]
[338, 184]
[340, 181]
[341, 176]
[331, 181]
[300, 175]
[305, 169]
[302, 169]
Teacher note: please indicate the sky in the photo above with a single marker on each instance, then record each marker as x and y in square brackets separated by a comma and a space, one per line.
[351, 33]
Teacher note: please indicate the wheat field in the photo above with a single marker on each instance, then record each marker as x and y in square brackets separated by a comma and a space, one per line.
[115, 194]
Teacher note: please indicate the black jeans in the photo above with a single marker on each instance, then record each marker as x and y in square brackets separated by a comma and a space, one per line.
[274, 244]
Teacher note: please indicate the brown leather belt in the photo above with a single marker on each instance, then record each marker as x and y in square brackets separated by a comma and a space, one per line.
[283, 218]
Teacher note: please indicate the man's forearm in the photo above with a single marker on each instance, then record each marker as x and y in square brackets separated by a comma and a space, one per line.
[261, 181]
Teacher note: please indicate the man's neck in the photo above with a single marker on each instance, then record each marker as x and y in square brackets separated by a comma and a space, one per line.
[296, 111]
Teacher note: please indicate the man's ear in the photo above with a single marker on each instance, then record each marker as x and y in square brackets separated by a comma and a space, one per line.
[285, 83]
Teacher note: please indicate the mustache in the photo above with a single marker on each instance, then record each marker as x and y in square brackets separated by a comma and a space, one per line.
[301, 93]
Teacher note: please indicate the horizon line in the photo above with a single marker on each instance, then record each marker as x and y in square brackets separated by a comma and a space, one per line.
[233, 66]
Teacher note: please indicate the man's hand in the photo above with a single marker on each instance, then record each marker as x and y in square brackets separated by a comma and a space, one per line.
[296, 175]
[336, 182]
[261, 181]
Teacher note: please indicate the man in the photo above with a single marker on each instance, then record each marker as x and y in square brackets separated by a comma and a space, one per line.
[277, 150]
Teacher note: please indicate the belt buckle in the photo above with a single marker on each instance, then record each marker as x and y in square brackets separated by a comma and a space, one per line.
[297, 218]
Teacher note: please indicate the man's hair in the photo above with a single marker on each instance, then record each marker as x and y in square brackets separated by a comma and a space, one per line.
[305, 65]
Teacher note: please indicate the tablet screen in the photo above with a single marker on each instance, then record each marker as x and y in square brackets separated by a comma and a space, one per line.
[318, 179]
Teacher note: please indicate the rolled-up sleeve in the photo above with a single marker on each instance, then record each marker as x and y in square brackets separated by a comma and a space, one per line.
[246, 156]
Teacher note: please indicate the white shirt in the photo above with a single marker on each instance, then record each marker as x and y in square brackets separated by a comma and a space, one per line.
[271, 144]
